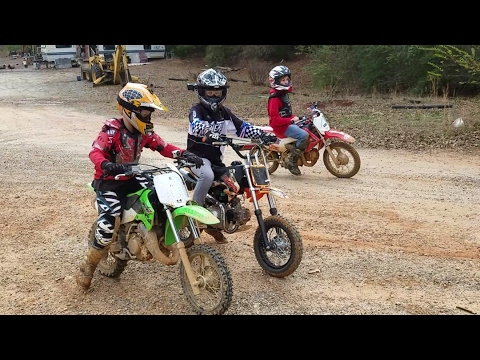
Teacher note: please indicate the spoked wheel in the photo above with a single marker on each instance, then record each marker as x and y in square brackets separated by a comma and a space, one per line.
[109, 266]
[272, 159]
[214, 277]
[286, 248]
[349, 160]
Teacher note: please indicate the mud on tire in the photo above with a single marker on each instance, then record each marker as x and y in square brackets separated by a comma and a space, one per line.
[215, 281]
[344, 171]
[109, 266]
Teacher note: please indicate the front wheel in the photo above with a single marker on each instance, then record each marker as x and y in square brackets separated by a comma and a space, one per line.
[286, 248]
[348, 157]
[271, 156]
[212, 273]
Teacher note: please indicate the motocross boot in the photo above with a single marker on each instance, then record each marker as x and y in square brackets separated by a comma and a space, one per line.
[291, 161]
[217, 235]
[85, 275]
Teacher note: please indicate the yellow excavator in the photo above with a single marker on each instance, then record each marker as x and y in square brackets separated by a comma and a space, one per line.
[106, 69]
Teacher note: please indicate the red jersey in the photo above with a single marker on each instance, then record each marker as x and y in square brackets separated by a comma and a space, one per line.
[116, 144]
[279, 112]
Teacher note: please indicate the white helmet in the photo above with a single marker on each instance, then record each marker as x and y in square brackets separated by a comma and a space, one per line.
[278, 72]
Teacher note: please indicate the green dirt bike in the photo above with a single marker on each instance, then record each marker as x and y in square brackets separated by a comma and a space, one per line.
[148, 230]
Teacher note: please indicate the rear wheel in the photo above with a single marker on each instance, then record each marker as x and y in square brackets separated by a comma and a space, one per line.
[286, 247]
[213, 276]
[348, 157]
[109, 265]
[271, 156]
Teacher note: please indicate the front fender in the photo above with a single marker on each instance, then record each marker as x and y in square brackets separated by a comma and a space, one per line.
[268, 190]
[330, 134]
[180, 219]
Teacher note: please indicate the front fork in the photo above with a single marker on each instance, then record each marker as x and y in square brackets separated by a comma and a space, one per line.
[332, 156]
[194, 283]
[258, 211]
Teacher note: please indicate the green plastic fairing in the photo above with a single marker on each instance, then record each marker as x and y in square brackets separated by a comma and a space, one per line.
[180, 218]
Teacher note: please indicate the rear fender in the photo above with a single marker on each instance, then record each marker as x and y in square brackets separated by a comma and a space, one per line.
[280, 147]
[180, 219]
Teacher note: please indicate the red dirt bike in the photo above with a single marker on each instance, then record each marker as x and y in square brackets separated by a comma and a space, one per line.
[340, 158]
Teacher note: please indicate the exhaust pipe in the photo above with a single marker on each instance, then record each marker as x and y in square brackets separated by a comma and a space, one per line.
[151, 243]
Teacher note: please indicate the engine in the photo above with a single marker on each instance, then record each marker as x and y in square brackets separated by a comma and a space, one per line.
[136, 246]
[231, 215]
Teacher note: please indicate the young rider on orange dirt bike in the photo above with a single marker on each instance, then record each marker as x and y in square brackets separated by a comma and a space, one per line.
[210, 119]
[281, 118]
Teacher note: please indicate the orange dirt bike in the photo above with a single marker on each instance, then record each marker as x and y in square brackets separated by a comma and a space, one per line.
[277, 243]
[340, 158]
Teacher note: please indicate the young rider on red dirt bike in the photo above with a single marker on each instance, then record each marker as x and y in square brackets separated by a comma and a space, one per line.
[281, 118]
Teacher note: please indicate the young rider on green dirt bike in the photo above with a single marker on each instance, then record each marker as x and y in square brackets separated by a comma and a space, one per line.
[209, 119]
[120, 141]
[281, 118]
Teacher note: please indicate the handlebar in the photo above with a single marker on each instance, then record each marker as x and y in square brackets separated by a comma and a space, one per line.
[238, 147]
[226, 141]
[135, 169]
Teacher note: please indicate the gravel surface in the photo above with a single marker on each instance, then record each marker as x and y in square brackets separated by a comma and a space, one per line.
[401, 237]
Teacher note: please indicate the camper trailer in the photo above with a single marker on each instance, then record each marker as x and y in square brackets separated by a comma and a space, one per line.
[53, 53]
[154, 51]
[133, 51]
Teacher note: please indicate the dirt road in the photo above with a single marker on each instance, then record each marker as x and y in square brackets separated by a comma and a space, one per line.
[401, 237]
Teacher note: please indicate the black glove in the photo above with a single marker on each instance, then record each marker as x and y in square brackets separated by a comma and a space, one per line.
[268, 138]
[113, 168]
[212, 137]
[193, 159]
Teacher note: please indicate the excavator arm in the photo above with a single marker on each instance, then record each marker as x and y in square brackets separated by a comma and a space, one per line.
[113, 71]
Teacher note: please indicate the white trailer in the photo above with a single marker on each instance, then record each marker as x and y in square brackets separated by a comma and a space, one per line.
[133, 51]
[51, 53]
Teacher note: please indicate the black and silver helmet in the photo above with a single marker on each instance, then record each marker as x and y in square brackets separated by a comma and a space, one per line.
[274, 78]
[207, 81]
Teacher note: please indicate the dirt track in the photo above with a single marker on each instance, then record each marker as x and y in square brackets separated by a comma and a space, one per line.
[401, 237]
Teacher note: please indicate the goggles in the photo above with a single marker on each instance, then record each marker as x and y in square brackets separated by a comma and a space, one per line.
[144, 115]
[213, 93]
